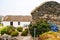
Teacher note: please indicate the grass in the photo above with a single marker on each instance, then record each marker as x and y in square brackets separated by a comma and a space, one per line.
[0, 24]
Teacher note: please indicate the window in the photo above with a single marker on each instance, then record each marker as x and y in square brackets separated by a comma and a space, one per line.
[18, 23]
[11, 23]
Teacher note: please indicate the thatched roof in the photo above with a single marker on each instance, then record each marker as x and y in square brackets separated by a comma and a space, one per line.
[17, 18]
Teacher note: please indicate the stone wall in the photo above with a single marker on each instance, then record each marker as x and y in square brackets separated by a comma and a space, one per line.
[48, 10]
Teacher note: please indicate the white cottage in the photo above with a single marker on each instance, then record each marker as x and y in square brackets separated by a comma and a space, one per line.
[17, 20]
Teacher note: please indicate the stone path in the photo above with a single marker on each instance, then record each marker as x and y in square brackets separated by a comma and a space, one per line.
[24, 37]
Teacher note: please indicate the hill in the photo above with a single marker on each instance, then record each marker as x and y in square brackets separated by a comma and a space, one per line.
[49, 9]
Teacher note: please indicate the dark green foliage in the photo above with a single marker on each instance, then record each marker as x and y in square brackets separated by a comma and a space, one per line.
[25, 32]
[19, 29]
[41, 27]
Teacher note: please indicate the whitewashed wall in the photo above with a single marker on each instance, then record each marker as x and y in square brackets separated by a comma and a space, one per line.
[15, 24]
[24, 23]
[6, 23]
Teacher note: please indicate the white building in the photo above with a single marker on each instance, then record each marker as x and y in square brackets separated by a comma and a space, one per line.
[17, 21]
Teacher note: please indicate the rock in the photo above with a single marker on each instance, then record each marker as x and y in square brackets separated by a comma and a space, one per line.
[49, 8]
[6, 37]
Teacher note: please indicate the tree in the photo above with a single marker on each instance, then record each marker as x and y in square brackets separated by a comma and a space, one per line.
[41, 27]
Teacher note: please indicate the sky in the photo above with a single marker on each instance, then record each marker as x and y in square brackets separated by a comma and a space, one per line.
[19, 7]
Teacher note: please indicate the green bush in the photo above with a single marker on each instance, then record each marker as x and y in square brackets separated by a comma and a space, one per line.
[7, 30]
[26, 30]
[24, 33]
[14, 33]
[10, 29]
[3, 30]
[19, 29]
[41, 27]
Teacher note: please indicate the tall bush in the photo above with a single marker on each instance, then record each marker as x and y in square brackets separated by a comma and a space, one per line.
[41, 27]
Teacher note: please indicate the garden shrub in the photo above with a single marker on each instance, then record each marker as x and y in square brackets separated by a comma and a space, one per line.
[24, 33]
[19, 29]
[41, 27]
[7, 30]
[26, 30]
[14, 33]
[10, 29]
[3, 30]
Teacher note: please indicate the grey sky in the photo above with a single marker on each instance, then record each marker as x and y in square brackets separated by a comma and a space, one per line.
[19, 7]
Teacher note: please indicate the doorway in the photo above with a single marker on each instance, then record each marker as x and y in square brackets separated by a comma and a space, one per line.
[11, 23]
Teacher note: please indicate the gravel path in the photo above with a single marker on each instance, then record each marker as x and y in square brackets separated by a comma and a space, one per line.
[24, 37]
